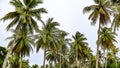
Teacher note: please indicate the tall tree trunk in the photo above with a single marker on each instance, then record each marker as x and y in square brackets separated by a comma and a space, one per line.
[7, 56]
[116, 61]
[98, 42]
[20, 61]
[77, 59]
[103, 59]
[60, 61]
[44, 57]
[106, 59]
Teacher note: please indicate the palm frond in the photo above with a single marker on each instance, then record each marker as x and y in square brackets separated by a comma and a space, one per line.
[34, 3]
[10, 15]
[89, 8]
[14, 22]
[16, 3]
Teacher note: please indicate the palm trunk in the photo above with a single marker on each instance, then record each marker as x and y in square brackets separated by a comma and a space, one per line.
[20, 61]
[7, 56]
[60, 61]
[113, 25]
[6, 59]
[103, 59]
[44, 57]
[106, 59]
[77, 59]
[98, 42]
[51, 64]
[116, 62]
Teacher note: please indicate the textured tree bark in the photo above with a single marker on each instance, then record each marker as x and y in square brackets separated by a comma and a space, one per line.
[20, 61]
[7, 56]
[98, 42]
[44, 57]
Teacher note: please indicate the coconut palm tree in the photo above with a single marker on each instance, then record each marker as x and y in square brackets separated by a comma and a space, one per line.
[24, 13]
[10, 49]
[101, 10]
[71, 57]
[78, 46]
[48, 37]
[35, 66]
[22, 17]
[63, 48]
[115, 51]
[3, 52]
[13, 61]
[52, 57]
[116, 21]
[23, 44]
[107, 40]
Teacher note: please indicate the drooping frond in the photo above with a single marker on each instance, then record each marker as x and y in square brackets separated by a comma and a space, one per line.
[89, 8]
[10, 15]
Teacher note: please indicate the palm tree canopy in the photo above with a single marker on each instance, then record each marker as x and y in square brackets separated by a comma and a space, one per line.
[100, 10]
[24, 13]
[79, 40]
[107, 38]
[79, 44]
[49, 35]
[23, 42]
[52, 56]
[116, 21]
[3, 52]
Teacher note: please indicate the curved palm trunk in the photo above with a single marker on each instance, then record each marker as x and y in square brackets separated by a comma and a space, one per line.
[98, 42]
[7, 56]
[44, 57]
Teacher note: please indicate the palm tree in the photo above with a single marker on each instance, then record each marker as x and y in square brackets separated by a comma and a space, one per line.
[115, 51]
[48, 37]
[78, 46]
[3, 52]
[13, 61]
[101, 10]
[107, 39]
[22, 17]
[63, 48]
[10, 49]
[23, 44]
[24, 13]
[52, 56]
[35, 66]
[116, 21]
[71, 57]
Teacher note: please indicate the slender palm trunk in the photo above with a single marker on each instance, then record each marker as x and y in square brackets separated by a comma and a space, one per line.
[7, 56]
[103, 59]
[98, 42]
[106, 59]
[112, 25]
[116, 62]
[20, 61]
[60, 61]
[44, 57]
[76, 59]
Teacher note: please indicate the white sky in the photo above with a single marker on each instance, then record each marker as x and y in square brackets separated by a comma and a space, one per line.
[67, 12]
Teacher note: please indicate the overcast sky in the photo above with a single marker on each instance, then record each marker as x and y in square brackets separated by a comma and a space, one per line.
[67, 12]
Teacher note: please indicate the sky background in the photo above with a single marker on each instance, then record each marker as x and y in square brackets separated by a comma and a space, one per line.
[69, 13]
